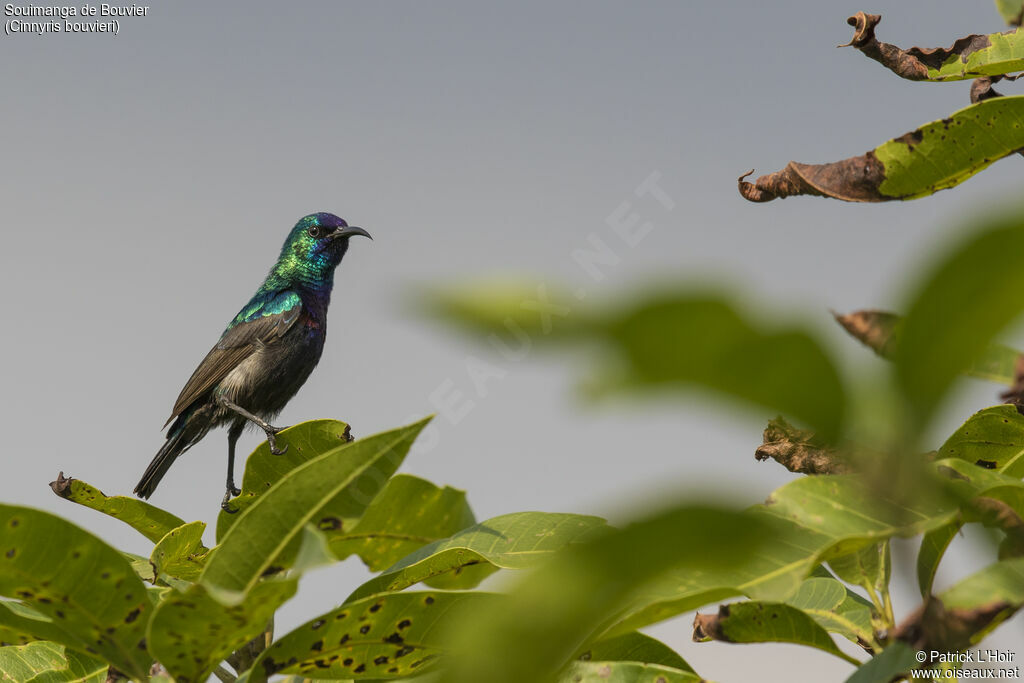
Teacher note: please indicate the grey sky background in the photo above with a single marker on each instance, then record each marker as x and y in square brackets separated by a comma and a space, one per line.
[147, 182]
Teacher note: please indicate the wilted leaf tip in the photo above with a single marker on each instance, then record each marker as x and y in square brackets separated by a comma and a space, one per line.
[62, 485]
[709, 626]
[934, 627]
[914, 63]
[856, 179]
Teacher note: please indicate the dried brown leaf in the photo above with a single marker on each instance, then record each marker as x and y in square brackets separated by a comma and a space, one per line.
[875, 329]
[798, 450]
[853, 180]
[912, 63]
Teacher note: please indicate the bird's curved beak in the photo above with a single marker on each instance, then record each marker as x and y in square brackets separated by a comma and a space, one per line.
[349, 232]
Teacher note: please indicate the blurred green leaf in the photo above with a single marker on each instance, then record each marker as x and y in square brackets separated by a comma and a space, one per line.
[634, 647]
[679, 339]
[966, 299]
[148, 520]
[263, 469]
[1012, 11]
[191, 632]
[670, 339]
[349, 476]
[879, 331]
[764, 622]
[383, 636]
[627, 672]
[77, 581]
[999, 582]
[181, 552]
[45, 662]
[933, 547]
[508, 307]
[983, 600]
[561, 605]
[963, 615]
[409, 513]
[815, 519]
[894, 661]
[514, 541]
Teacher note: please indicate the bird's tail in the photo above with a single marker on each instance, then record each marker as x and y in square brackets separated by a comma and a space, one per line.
[179, 439]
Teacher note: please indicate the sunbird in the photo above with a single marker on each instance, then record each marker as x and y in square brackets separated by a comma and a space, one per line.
[266, 352]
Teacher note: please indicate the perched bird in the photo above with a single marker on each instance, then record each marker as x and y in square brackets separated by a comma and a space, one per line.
[265, 354]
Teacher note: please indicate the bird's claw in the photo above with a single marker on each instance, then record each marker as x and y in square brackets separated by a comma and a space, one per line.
[272, 441]
[225, 504]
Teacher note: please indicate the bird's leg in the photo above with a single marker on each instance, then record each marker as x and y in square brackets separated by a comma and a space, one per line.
[268, 429]
[231, 490]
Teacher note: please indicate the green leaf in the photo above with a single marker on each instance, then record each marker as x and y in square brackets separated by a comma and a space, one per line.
[933, 547]
[936, 156]
[893, 661]
[970, 295]
[143, 568]
[383, 636]
[20, 625]
[765, 622]
[263, 469]
[408, 514]
[45, 662]
[634, 647]
[869, 567]
[148, 520]
[514, 541]
[972, 56]
[627, 672]
[181, 552]
[835, 608]
[1012, 11]
[811, 520]
[563, 604]
[348, 476]
[192, 632]
[992, 438]
[77, 581]
[672, 339]
[510, 307]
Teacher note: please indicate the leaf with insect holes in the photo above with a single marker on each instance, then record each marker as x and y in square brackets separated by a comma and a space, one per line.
[45, 662]
[87, 590]
[383, 636]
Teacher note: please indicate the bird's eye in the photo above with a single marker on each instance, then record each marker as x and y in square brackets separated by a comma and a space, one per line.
[315, 231]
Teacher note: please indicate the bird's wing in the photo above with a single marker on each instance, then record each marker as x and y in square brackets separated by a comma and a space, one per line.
[258, 324]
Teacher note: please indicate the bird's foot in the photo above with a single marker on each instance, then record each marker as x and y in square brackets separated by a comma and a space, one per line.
[272, 441]
[225, 503]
